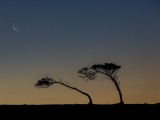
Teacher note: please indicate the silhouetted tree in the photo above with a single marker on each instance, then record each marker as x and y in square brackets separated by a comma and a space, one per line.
[108, 69]
[46, 82]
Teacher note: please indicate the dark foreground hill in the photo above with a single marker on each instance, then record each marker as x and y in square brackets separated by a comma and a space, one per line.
[81, 110]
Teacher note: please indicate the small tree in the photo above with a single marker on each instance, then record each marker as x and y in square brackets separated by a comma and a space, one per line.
[108, 69]
[46, 82]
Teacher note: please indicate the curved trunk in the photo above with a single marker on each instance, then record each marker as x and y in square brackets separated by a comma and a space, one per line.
[90, 100]
[118, 89]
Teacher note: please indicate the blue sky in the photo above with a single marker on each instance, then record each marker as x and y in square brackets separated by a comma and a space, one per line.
[61, 36]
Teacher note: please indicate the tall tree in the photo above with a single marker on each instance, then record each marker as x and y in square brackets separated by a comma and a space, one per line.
[46, 82]
[108, 69]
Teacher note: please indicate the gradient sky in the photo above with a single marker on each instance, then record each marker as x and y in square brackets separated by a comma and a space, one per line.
[58, 37]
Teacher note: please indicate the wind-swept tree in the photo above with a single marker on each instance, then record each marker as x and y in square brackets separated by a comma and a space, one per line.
[108, 69]
[46, 82]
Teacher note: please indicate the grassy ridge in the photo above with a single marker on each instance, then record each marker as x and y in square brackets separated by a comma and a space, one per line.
[80, 111]
[71, 108]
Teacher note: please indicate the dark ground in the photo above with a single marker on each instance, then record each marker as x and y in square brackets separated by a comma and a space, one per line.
[81, 110]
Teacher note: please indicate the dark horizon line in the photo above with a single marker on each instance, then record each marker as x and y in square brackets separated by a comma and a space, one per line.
[82, 104]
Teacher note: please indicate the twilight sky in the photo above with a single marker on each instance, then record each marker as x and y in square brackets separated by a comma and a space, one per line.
[58, 37]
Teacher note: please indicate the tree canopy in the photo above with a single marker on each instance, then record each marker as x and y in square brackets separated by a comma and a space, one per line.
[108, 69]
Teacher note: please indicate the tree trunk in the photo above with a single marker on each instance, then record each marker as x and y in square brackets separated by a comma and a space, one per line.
[119, 91]
[90, 100]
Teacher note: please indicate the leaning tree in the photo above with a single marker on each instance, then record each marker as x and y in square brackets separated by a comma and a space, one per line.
[46, 82]
[108, 69]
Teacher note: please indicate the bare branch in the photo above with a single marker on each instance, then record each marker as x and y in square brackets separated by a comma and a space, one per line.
[46, 82]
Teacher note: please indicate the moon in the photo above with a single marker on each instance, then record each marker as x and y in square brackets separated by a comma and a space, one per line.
[14, 28]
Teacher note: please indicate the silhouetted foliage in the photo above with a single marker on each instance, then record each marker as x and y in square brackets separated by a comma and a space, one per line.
[46, 82]
[108, 69]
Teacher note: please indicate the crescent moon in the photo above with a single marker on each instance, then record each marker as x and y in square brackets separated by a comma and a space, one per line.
[14, 28]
